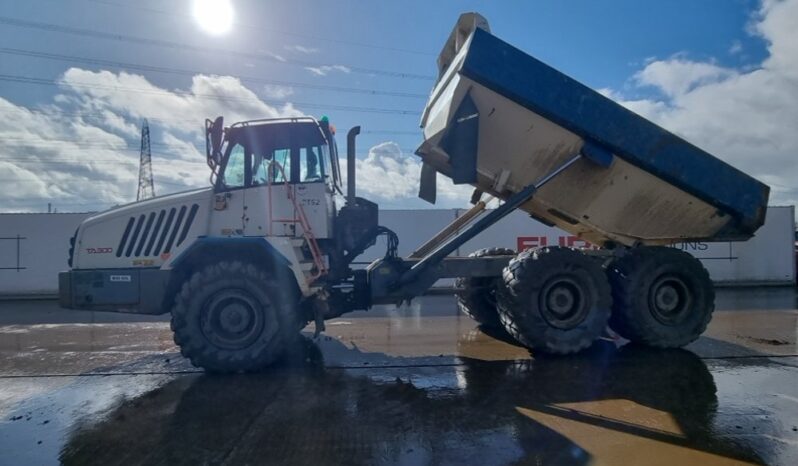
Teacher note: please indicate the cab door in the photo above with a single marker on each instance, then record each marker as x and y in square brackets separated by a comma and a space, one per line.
[300, 170]
[314, 190]
[267, 206]
[227, 215]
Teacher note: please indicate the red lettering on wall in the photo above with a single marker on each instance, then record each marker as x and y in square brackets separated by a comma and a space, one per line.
[529, 242]
[576, 242]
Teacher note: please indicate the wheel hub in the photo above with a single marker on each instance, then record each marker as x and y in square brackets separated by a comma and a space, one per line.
[563, 303]
[561, 300]
[232, 319]
[670, 299]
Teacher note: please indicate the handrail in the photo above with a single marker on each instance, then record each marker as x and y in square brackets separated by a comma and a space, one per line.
[302, 219]
[261, 121]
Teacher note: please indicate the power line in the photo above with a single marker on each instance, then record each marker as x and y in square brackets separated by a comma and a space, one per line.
[272, 58]
[184, 72]
[198, 122]
[342, 108]
[34, 160]
[30, 140]
[72, 145]
[92, 143]
[81, 203]
[160, 181]
[391, 132]
[99, 144]
[261, 28]
[81, 161]
[47, 111]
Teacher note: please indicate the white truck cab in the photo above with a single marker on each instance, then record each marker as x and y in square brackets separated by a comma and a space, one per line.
[274, 182]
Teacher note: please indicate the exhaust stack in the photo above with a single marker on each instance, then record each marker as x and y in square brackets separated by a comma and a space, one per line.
[350, 164]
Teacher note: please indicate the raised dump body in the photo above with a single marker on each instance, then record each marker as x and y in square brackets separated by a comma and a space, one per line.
[499, 119]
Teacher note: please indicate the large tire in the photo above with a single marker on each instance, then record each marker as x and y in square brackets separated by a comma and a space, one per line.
[662, 297]
[556, 300]
[235, 317]
[477, 296]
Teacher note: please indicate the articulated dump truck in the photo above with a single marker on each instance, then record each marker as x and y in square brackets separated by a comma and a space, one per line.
[244, 264]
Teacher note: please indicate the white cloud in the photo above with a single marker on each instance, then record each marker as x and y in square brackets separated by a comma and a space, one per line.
[746, 117]
[179, 148]
[119, 125]
[391, 177]
[61, 158]
[302, 49]
[275, 91]
[677, 76]
[81, 151]
[134, 97]
[323, 70]
[271, 54]
[178, 165]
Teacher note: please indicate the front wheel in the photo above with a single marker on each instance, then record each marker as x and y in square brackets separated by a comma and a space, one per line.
[234, 317]
[662, 297]
[556, 300]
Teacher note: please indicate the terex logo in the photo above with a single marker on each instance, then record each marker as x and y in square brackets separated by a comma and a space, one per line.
[529, 242]
[99, 250]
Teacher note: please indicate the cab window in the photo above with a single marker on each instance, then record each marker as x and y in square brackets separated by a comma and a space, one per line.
[311, 164]
[271, 167]
[277, 154]
[234, 175]
[282, 159]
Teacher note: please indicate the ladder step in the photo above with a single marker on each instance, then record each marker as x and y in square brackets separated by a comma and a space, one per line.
[306, 265]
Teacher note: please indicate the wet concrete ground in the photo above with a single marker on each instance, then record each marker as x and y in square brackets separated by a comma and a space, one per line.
[421, 385]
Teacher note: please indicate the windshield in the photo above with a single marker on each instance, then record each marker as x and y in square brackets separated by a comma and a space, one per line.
[277, 153]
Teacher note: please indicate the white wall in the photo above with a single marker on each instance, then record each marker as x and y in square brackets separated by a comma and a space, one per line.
[413, 227]
[768, 258]
[41, 242]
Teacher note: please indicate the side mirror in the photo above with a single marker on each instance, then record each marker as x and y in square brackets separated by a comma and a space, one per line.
[214, 131]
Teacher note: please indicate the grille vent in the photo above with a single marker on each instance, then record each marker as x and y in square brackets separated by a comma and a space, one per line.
[157, 232]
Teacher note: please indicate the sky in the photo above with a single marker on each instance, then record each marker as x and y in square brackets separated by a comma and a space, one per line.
[78, 77]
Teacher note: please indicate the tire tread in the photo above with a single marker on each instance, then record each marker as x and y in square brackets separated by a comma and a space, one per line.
[526, 274]
[471, 298]
[195, 347]
[627, 276]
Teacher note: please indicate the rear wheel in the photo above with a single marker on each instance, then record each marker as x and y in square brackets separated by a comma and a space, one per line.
[233, 317]
[662, 297]
[477, 296]
[556, 300]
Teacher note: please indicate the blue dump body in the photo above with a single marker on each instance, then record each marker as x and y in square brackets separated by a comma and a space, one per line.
[531, 83]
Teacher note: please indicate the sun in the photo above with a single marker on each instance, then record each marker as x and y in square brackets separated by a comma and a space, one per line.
[213, 16]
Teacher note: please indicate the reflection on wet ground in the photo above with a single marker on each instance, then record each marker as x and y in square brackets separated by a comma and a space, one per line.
[407, 388]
